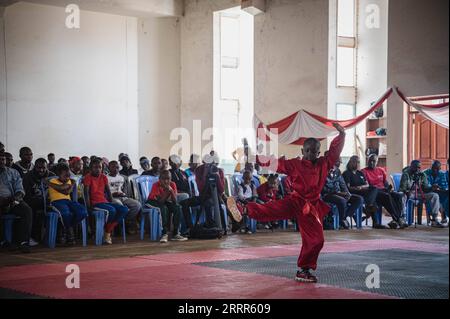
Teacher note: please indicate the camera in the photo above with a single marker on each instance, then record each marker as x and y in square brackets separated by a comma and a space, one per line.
[416, 177]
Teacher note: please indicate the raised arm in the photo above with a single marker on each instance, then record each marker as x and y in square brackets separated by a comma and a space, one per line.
[283, 165]
[337, 145]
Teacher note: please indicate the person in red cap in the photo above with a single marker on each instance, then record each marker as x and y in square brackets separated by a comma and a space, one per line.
[76, 167]
[304, 204]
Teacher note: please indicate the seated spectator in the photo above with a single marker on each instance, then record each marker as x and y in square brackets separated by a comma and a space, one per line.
[257, 179]
[105, 165]
[178, 176]
[357, 185]
[164, 196]
[25, 164]
[11, 202]
[51, 162]
[270, 190]
[259, 174]
[392, 201]
[127, 167]
[33, 184]
[205, 175]
[164, 164]
[9, 159]
[145, 164]
[86, 163]
[62, 160]
[246, 193]
[120, 194]
[76, 167]
[95, 186]
[194, 161]
[72, 212]
[439, 183]
[336, 192]
[156, 168]
[414, 184]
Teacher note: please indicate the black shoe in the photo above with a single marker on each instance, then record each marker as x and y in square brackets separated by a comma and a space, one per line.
[305, 276]
[379, 226]
[236, 226]
[25, 248]
[393, 224]
[402, 223]
[344, 225]
[436, 224]
[70, 237]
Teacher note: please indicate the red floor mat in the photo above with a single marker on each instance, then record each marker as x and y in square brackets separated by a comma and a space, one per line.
[171, 282]
[173, 276]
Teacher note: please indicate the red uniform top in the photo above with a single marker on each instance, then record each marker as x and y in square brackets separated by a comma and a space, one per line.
[158, 190]
[266, 193]
[375, 177]
[97, 185]
[308, 178]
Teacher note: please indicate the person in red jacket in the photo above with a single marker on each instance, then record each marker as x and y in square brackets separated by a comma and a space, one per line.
[392, 201]
[308, 175]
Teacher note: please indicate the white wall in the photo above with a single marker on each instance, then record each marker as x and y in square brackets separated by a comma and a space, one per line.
[159, 84]
[291, 60]
[135, 8]
[197, 62]
[71, 91]
[291, 52]
[417, 63]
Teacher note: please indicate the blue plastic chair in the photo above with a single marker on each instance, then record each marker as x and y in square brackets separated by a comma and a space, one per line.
[52, 216]
[335, 214]
[100, 217]
[193, 187]
[144, 186]
[396, 178]
[8, 223]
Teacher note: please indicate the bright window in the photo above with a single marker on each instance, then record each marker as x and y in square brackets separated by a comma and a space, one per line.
[346, 18]
[345, 66]
[346, 112]
[346, 43]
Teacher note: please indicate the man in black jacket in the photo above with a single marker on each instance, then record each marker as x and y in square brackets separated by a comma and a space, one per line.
[336, 192]
[34, 196]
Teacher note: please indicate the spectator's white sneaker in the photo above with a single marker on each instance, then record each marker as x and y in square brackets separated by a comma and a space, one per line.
[436, 224]
[164, 238]
[107, 238]
[178, 237]
[32, 243]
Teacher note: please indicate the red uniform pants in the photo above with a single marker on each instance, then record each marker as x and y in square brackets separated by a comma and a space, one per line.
[311, 228]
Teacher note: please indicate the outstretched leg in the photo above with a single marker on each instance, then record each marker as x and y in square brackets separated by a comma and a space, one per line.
[285, 208]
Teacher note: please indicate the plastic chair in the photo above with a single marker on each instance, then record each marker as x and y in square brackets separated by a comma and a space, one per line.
[335, 214]
[144, 186]
[101, 217]
[396, 178]
[8, 223]
[193, 187]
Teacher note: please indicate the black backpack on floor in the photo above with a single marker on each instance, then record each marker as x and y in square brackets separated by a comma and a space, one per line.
[200, 231]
